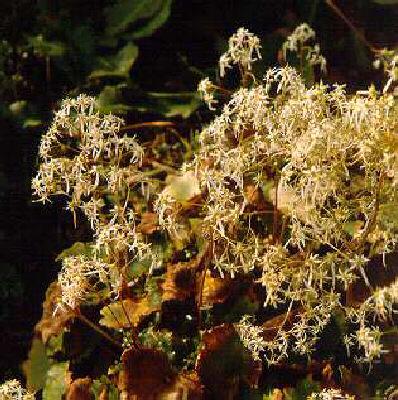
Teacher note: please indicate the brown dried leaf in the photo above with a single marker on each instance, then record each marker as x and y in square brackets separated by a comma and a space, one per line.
[122, 315]
[255, 198]
[180, 282]
[50, 324]
[145, 373]
[216, 290]
[190, 207]
[354, 383]
[327, 373]
[104, 394]
[378, 276]
[181, 279]
[215, 338]
[79, 389]
[148, 224]
[222, 356]
[186, 386]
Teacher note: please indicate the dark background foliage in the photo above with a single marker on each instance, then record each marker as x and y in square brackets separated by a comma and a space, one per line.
[144, 60]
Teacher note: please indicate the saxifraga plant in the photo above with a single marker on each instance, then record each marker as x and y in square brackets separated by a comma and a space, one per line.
[292, 188]
[327, 162]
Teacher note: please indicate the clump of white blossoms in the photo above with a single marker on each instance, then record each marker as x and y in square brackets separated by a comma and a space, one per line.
[388, 59]
[330, 394]
[207, 90]
[243, 51]
[299, 42]
[85, 157]
[81, 276]
[324, 167]
[12, 390]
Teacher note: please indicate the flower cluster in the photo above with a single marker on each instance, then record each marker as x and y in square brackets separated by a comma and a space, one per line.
[81, 151]
[377, 307]
[207, 90]
[324, 167]
[81, 276]
[243, 50]
[166, 208]
[85, 158]
[12, 390]
[330, 394]
[388, 59]
[298, 42]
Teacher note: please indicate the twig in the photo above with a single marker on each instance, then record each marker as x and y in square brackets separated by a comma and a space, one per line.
[282, 229]
[222, 90]
[355, 30]
[98, 330]
[275, 216]
[370, 225]
[136, 342]
[259, 212]
[152, 124]
[203, 260]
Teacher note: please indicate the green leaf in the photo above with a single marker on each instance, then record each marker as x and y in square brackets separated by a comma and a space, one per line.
[118, 65]
[78, 248]
[117, 315]
[353, 227]
[55, 344]
[155, 23]
[173, 104]
[45, 47]
[182, 187]
[139, 268]
[304, 389]
[125, 13]
[32, 123]
[154, 293]
[110, 100]
[102, 383]
[36, 366]
[388, 214]
[56, 381]
[17, 107]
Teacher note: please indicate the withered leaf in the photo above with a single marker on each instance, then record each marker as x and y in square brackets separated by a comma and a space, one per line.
[145, 373]
[179, 283]
[215, 338]
[185, 386]
[79, 389]
[222, 355]
[148, 224]
[271, 326]
[216, 289]
[255, 198]
[181, 279]
[50, 324]
[354, 383]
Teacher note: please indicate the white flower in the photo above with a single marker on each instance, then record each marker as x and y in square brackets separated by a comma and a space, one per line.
[206, 90]
[243, 50]
[12, 390]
